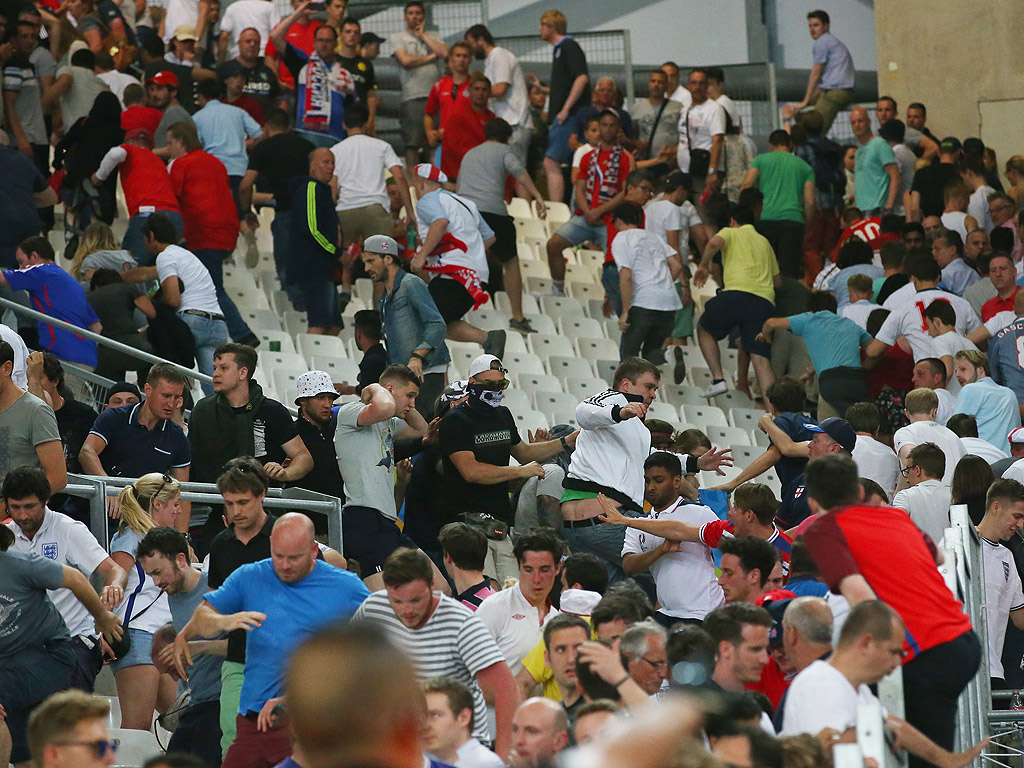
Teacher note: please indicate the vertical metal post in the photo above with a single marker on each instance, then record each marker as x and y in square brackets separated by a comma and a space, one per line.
[627, 55]
[773, 97]
[485, 14]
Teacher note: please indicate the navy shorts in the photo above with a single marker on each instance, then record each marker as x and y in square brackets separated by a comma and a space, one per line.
[370, 537]
[26, 678]
[451, 297]
[742, 311]
[558, 140]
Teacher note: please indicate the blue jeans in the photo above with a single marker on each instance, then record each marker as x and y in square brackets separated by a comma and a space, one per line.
[612, 287]
[604, 542]
[213, 260]
[135, 242]
[209, 334]
[280, 232]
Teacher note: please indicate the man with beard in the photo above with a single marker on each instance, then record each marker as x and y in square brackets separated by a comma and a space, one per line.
[316, 426]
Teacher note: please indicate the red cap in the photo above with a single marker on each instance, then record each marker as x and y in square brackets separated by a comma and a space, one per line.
[775, 595]
[163, 78]
[139, 133]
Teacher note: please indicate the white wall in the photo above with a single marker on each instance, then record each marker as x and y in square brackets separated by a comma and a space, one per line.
[853, 22]
[687, 31]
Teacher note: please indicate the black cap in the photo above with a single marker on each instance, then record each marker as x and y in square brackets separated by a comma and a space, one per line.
[369, 37]
[675, 180]
[123, 386]
[231, 69]
[839, 430]
[609, 111]
[950, 144]
[974, 146]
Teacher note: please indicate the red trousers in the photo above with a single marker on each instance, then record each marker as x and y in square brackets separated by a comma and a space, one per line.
[257, 749]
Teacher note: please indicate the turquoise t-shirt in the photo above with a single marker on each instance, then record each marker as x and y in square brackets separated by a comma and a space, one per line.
[832, 341]
[870, 181]
[782, 179]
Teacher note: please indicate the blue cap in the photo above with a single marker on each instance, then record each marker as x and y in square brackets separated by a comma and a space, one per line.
[839, 430]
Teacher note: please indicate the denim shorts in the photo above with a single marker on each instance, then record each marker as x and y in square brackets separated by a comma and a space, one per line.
[558, 140]
[140, 652]
[576, 231]
[321, 298]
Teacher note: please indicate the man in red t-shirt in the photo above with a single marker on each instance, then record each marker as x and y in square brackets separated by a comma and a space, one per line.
[869, 553]
[136, 114]
[147, 189]
[447, 92]
[465, 127]
[200, 182]
[234, 76]
[599, 187]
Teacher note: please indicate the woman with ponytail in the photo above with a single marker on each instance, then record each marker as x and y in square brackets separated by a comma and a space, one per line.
[154, 500]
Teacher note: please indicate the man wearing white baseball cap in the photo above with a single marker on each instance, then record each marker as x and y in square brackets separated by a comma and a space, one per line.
[316, 426]
[454, 240]
[413, 327]
[477, 439]
[1010, 467]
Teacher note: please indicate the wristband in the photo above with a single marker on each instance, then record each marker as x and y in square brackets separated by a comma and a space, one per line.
[565, 447]
[619, 684]
[419, 357]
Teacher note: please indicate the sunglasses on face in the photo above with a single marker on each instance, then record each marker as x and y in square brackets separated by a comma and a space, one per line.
[100, 747]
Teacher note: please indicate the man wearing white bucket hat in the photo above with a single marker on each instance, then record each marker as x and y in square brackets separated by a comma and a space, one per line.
[316, 425]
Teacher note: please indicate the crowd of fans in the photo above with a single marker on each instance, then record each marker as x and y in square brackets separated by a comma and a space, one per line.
[500, 598]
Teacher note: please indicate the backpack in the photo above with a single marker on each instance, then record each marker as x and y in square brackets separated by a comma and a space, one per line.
[829, 175]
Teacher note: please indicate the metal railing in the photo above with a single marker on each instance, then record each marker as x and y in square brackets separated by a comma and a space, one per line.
[609, 54]
[96, 489]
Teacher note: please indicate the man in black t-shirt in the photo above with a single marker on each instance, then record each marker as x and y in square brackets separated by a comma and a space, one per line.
[280, 158]
[260, 81]
[316, 426]
[927, 191]
[360, 69]
[477, 440]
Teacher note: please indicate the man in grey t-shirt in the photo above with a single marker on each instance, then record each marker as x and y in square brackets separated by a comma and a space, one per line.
[420, 58]
[482, 179]
[365, 444]
[28, 429]
[164, 555]
[656, 119]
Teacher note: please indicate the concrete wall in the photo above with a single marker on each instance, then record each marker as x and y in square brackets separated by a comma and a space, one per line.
[852, 22]
[951, 56]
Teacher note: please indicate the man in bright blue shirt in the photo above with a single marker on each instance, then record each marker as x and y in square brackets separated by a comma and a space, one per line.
[223, 130]
[995, 407]
[280, 602]
[876, 175]
[1004, 352]
[54, 292]
[833, 344]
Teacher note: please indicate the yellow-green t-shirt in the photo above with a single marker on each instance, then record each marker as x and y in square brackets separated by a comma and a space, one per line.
[534, 663]
[748, 262]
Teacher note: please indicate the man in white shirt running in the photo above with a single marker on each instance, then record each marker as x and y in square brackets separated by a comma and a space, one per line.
[187, 287]
[927, 499]
[516, 616]
[509, 97]
[449, 732]
[1004, 518]
[920, 406]
[826, 694]
[39, 530]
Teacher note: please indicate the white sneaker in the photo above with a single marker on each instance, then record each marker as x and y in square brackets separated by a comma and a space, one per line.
[716, 389]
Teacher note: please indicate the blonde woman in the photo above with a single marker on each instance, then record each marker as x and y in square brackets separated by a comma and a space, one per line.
[154, 500]
[1014, 172]
[99, 249]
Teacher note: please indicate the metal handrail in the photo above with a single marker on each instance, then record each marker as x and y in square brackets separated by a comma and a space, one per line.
[98, 488]
[138, 354]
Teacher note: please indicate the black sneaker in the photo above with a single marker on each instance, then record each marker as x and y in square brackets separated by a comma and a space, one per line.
[252, 340]
[523, 326]
[679, 370]
[494, 344]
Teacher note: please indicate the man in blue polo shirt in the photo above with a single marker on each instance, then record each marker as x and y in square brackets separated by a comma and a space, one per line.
[280, 602]
[131, 440]
[834, 344]
[56, 293]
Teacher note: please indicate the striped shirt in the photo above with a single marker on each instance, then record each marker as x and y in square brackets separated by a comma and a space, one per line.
[453, 643]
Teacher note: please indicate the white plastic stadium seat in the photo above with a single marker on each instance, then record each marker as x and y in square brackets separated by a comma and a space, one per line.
[259, 319]
[340, 370]
[583, 387]
[719, 435]
[547, 402]
[516, 400]
[523, 362]
[537, 382]
[561, 306]
[700, 416]
[580, 328]
[544, 346]
[664, 411]
[268, 337]
[529, 421]
[745, 418]
[597, 349]
[134, 747]
[564, 366]
[310, 344]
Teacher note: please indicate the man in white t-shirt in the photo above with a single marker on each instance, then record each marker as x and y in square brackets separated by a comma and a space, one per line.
[676, 91]
[684, 572]
[448, 735]
[920, 406]
[875, 460]
[361, 164]
[1004, 598]
[186, 286]
[648, 268]
[965, 426]
[930, 373]
[907, 319]
[673, 218]
[39, 530]
[509, 96]
[701, 127]
[927, 499]
[246, 14]
[940, 318]
[516, 616]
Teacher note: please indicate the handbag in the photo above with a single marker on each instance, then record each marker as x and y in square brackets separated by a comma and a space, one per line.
[493, 529]
[121, 647]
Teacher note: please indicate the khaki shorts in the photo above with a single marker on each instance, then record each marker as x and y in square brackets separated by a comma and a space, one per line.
[830, 103]
[360, 223]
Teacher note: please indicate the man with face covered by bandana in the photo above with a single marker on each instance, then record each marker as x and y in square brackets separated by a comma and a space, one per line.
[477, 439]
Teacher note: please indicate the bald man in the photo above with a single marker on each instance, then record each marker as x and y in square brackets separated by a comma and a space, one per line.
[540, 730]
[876, 174]
[806, 637]
[280, 602]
